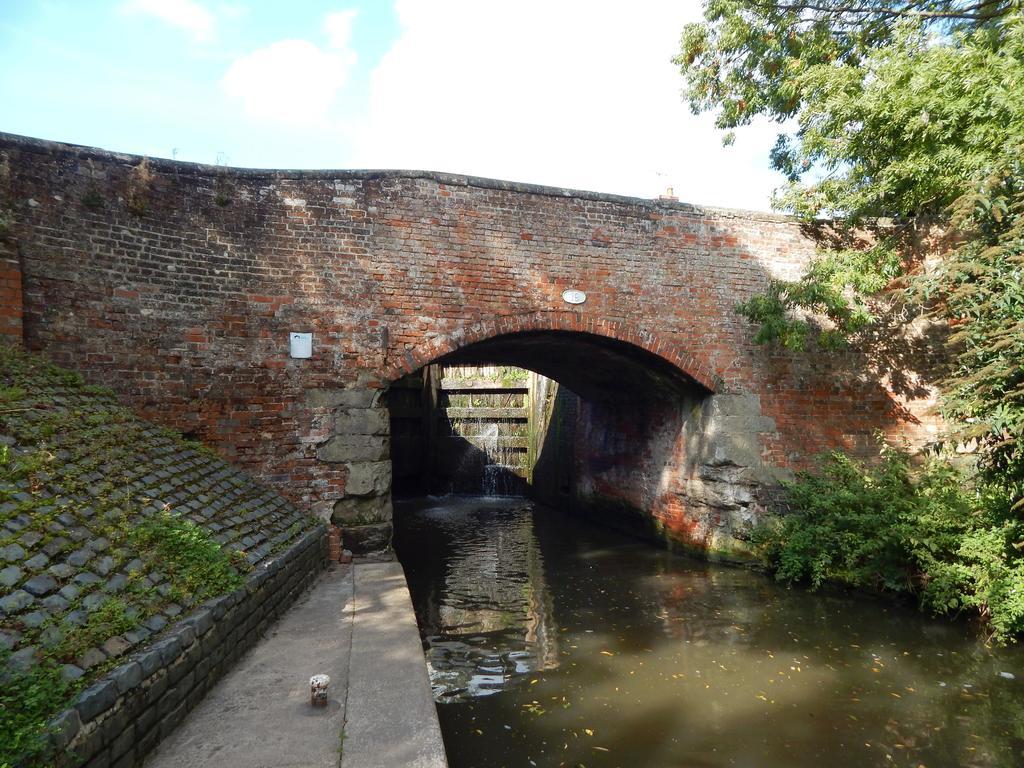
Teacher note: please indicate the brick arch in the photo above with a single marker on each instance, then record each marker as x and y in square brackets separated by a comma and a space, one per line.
[439, 346]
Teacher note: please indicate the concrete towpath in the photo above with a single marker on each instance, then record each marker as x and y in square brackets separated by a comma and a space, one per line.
[357, 625]
[391, 718]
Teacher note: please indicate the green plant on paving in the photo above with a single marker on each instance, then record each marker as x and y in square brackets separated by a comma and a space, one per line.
[200, 447]
[111, 617]
[197, 565]
[28, 699]
[933, 533]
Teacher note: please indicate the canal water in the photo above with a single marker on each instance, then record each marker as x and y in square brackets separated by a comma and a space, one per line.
[554, 643]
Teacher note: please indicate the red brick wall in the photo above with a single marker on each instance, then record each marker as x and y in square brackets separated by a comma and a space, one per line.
[10, 300]
[179, 290]
[10, 287]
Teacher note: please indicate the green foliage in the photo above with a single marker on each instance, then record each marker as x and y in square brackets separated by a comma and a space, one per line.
[28, 699]
[900, 110]
[909, 114]
[197, 565]
[92, 199]
[934, 533]
[835, 286]
[982, 293]
[896, 106]
[111, 617]
[16, 466]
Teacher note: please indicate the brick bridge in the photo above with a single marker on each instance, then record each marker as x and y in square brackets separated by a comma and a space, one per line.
[178, 286]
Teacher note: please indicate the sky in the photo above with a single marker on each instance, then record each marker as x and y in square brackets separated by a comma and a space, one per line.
[579, 94]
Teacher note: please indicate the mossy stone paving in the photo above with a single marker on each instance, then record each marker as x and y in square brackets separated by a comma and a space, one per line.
[110, 525]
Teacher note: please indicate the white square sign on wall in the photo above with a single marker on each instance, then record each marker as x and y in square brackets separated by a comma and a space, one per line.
[302, 345]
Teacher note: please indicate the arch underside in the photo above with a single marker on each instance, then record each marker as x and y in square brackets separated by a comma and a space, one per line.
[547, 342]
[597, 368]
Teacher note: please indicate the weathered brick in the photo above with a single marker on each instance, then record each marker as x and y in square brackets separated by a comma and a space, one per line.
[186, 312]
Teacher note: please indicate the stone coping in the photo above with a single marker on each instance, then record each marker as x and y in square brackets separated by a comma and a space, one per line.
[44, 146]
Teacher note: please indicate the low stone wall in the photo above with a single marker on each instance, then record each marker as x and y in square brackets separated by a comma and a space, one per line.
[124, 715]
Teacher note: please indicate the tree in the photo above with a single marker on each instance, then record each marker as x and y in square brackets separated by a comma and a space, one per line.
[908, 117]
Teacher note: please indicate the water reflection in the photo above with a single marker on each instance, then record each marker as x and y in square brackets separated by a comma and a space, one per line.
[604, 651]
[486, 616]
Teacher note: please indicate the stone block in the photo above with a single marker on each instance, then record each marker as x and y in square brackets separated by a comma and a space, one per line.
[12, 553]
[92, 658]
[70, 672]
[178, 670]
[368, 478]
[195, 696]
[149, 661]
[148, 741]
[96, 699]
[56, 604]
[116, 646]
[40, 585]
[114, 725]
[80, 557]
[24, 658]
[87, 743]
[171, 720]
[39, 560]
[99, 760]
[127, 676]
[362, 539]
[169, 648]
[8, 639]
[64, 728]
[353, 448]
[344, 398]
[361, 511]
[186, 634]
[146, 720]
[10, 576]
[17, 601]
[363, 421]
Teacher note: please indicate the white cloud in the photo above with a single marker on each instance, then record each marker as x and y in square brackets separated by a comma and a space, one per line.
[183, 14]
[339, 28]
[575, 93]
[294, 81]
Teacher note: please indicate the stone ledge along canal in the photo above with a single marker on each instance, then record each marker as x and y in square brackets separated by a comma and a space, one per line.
[554, 643]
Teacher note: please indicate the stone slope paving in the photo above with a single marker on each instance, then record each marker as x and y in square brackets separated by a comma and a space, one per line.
[87, 490]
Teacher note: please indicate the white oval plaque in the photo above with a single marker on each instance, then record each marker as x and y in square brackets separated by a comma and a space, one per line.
[572, 296]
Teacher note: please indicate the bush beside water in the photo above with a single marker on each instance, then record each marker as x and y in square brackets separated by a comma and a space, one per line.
[949, 538]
